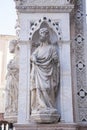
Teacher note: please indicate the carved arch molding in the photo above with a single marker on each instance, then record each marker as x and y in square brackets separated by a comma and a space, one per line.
[55, 25]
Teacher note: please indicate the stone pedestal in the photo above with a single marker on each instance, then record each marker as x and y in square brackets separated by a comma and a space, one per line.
[59, 126]
[47, 117]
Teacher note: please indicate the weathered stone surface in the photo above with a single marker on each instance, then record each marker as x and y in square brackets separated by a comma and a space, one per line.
[64, 101]
[79, 69]
[43, 5]
[12, 81]
[42, 2]
[58, 126]
[45, 118]
[53, 16]
[44, 78]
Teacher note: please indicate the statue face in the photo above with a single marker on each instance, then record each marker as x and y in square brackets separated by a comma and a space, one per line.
[44, 34]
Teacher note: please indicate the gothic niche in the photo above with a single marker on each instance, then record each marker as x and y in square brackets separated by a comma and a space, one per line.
[44, 74]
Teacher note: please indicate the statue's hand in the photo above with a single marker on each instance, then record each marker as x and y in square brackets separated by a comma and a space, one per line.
[33, 59]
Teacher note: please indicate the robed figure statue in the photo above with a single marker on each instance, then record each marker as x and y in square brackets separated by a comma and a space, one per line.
[44, 79]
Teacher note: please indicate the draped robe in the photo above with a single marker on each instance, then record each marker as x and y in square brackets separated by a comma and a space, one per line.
[44, 78]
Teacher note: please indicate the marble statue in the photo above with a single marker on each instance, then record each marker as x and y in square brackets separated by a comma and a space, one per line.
[12, 80]
[44, 79]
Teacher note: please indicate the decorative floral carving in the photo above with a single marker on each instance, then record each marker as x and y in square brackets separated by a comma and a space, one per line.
[79, 15]
[79, 39]
[80, 61]
[80, 65]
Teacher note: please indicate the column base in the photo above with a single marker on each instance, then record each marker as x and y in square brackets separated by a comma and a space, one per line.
[58, 126]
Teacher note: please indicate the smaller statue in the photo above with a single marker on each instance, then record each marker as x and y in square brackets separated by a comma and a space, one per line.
[12, 78]
[44, 80]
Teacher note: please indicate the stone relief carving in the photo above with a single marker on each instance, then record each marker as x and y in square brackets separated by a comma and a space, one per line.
[80, 61]
[43, 6]
[44, 79]
[35, 25]
[79, 57]
[12, 78]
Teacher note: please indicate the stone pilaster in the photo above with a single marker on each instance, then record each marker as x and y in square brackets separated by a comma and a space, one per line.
[78, 61]
[23, 96]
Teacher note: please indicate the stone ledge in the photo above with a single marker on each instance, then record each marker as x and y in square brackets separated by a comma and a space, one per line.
[58, 126]
[45, 9]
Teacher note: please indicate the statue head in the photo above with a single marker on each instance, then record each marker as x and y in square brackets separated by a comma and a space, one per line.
[12, 45]
[44, 34]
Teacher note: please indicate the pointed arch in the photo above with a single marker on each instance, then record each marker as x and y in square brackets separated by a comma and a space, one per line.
[45, 22]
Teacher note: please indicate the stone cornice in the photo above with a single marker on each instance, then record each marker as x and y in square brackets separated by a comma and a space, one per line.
[45, 9]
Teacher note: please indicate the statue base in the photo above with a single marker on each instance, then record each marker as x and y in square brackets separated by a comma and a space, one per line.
[45, 116]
